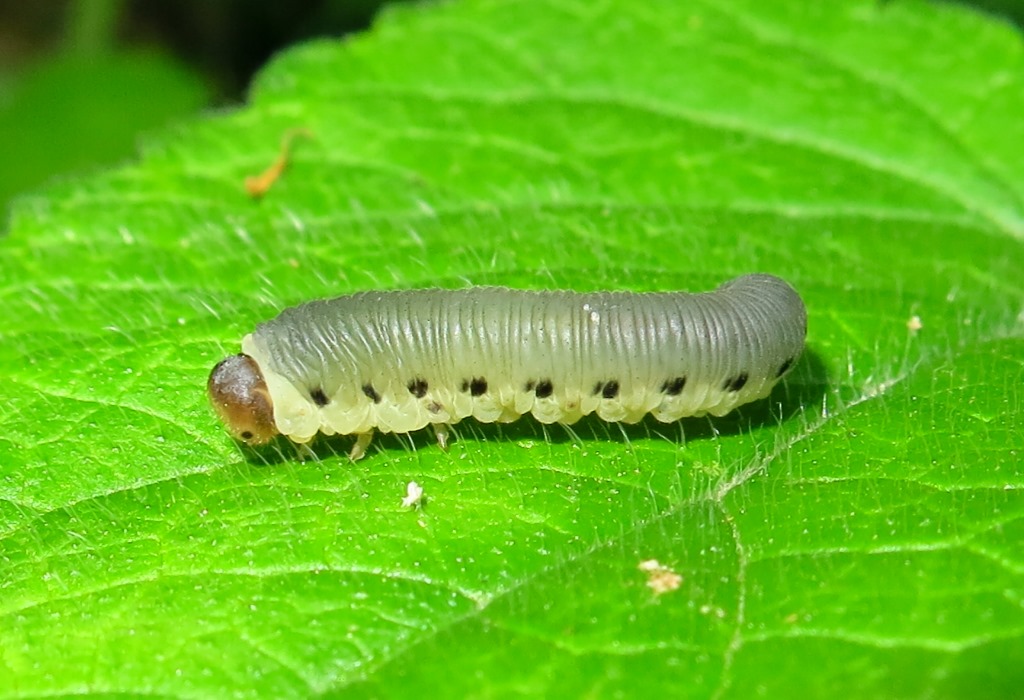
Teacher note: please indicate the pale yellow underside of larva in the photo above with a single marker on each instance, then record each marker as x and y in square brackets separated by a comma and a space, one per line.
[350, 412]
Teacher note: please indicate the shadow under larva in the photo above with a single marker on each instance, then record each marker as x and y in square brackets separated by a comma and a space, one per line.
[399, 361]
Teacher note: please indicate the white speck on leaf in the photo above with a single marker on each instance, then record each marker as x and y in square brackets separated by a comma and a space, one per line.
[413, 495]
[660, 579]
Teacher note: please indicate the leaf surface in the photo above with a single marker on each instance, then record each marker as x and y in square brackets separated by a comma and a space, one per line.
[858, 533]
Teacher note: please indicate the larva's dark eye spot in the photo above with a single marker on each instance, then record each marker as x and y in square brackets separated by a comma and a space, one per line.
[597, 389]
[478, 386]
[319, 397]
[784, 367]
[240, 397]
[544, 389]
[371, 393]
[736, 383]
[674, 386]
[611, 390]
[418, 387]
[529, 386]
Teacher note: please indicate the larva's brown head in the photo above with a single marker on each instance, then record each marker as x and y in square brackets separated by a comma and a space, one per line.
[240, 397]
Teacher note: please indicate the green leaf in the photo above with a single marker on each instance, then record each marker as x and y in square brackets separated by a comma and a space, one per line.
[858, 534]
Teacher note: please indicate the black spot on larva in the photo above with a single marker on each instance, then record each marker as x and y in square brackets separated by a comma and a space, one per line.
[544, 389]
[529, 385]
[371, 393]
[464, 386]
[674, 386]
[434, 407]
[319, 397]
[478, 386]
[597, 389]
[417, 387]
[245, 435]
[611, 390]
[782, 369]
[735, 383]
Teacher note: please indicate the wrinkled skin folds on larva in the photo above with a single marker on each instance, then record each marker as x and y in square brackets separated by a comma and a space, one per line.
[396, 361]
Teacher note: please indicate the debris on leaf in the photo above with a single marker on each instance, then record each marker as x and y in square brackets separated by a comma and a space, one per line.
[413, 495]
[258, 185]
[660, 579]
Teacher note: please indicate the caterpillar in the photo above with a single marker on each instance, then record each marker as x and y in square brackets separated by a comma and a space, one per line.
[397, 361]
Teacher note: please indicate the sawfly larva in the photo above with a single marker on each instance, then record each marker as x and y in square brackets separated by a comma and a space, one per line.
[396, 361]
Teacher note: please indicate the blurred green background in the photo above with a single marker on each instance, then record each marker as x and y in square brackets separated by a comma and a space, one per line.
[80, 80]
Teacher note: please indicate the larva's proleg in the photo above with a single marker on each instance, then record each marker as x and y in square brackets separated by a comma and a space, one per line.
[399, 361]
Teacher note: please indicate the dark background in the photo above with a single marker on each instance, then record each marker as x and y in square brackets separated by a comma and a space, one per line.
[224, 40]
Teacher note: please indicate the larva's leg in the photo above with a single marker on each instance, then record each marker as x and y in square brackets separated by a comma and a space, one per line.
[441, 431]
[303, 451]
[363, 441]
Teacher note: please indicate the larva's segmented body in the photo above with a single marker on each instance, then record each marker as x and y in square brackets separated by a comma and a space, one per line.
[398, 361]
